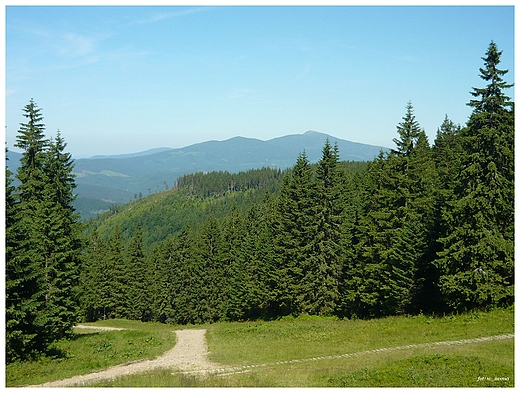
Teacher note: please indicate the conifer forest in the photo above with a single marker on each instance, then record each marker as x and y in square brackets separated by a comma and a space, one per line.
[426, 228]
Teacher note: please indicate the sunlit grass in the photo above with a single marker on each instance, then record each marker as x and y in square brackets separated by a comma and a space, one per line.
[479, 364]
[305, 337]
[91, 350]
[488, 364]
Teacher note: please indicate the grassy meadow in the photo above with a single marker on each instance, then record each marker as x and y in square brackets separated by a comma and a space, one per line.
[264, 343]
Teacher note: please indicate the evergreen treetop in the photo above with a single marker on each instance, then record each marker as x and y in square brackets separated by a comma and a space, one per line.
[408, 130]
[491, 99]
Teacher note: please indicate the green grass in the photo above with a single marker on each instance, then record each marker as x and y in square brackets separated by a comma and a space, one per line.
[306, 337]
[92, 350]
[447, 367]
[479, 364]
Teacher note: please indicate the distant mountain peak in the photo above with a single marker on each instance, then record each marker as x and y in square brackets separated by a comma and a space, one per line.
[117, 180]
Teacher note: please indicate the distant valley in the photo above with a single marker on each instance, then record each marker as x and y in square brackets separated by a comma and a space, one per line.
[103, 181]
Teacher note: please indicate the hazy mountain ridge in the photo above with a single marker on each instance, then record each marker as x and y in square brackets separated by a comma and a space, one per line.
[131, 155]
[104, 180]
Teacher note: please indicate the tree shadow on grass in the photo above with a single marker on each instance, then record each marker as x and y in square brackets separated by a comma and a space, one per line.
[55, 353]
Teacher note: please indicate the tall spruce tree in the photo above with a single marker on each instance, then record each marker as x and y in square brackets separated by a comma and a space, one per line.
[211, 273]
[397, 224]
[14, 282]
[118, 275]
[420, 220]
[408, 130]
[184, 278]
[257, 249]
[374, 226]
[238, 296]
[477, 259]
[447, 154]
[62, 242]
[25, 328]
[93, 269]
[138, 282]
[43, 249]
[295, 230]
[164, 280]
[327, 255]
[352, 267]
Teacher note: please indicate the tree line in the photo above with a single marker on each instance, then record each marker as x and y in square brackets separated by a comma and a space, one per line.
[422, 228]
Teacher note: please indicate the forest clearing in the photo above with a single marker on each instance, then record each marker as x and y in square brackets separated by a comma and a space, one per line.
[471, 349]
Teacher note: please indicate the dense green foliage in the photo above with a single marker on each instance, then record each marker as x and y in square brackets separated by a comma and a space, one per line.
[477, 260]
[419, 229]
[42, 243]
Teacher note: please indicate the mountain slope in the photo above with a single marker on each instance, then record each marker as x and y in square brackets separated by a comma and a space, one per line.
[122, 178]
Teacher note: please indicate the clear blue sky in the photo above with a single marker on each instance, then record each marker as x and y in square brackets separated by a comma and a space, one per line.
[126, 79]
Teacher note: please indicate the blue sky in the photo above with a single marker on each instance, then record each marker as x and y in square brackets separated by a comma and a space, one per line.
[126, 79]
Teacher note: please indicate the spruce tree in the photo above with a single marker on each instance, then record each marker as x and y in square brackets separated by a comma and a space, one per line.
[164, 280]
[447, 155]
[352, 267]
[210, 272]
[324, 273]
[421, 220]
[375, 225]
[25, 266]
[138, 283]
[408, 130]
[93, 270]
[266, 255]
[14, 285]
[477, 259]
[447, 152]
[257, 252]
[62, 242]
[397, 225]
[43, 247]
[183, 278]
[238, 296]
[118, 275]
[294, 231]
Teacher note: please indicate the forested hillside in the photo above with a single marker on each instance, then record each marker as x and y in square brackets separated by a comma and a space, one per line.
[426, 227]
[103, 182]
[188, 204]
[423, 228]
[124, 178]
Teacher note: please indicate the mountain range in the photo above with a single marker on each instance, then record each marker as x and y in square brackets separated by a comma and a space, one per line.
[106, 180]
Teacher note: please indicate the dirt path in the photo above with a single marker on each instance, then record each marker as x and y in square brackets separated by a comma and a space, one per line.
[189, 354]
[239, 369]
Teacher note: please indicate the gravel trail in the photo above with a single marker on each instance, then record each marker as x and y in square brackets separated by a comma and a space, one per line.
[239, 369]
[99, 327]
[189, 354]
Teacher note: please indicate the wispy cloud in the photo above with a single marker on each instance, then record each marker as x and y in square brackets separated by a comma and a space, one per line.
[75, 45]
[172, 14]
